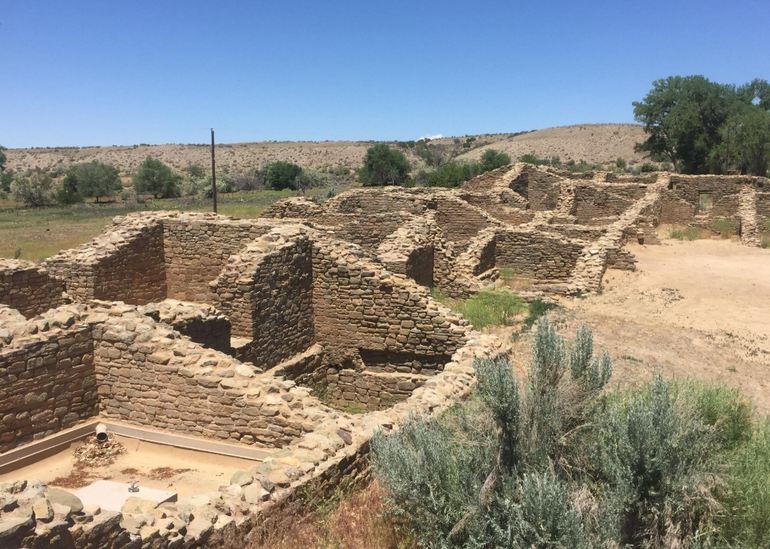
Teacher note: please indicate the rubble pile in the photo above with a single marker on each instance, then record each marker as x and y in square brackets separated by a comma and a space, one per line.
[93, 453]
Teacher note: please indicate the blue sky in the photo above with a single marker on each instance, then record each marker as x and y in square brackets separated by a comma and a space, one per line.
[103, 72]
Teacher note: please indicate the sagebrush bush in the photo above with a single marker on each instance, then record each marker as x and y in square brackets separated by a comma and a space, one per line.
[559, 462]
[32, 188]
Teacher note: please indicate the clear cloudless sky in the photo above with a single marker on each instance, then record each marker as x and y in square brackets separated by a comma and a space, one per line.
[164, 71]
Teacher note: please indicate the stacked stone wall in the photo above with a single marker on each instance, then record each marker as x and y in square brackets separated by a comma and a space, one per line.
[542, 256]
[460, 222]
[202, 323]
[28, 287]
[361, 390]
[47, 382]
[359, 306]
[197, 249]
[679, 201]
[592, 202]
[124, 264]
[267, 293]
[763, 211]
[152, 376]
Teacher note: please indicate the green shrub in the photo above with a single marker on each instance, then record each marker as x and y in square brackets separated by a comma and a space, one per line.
[722, 408]
[648, 167]
[474, 478]
[487, 308]
[653, 450]
[563, 464]
[282, 175]
[383, 165]
[452, 174]
[92, 179]
[6, 178]
[492, 159]
[32, 188]
[745, 521]
[690, 233]
[620, 164]
[531, 158]
[156, 178]
[725, 227]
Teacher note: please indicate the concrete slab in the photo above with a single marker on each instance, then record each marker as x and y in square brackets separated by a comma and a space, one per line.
[111, 495]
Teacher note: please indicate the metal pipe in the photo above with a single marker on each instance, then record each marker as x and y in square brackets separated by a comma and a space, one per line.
[101, 432]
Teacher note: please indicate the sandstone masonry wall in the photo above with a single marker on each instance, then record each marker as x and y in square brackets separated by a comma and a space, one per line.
[47, 381]
[267, 292]
[152, 376]
[198, 247]
[545, 257]
[28, 287]
[124, 264]
[359, 306]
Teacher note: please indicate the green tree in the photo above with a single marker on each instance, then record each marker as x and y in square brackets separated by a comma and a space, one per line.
[33, 188]
[452, 174]
[683, 117]
[92, 179]
[383, 165]
[156, 178]
[3, 158]
[492, 159]
[746, 140]
[282, 175]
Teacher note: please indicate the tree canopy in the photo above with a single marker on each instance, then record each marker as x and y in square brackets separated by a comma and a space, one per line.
[492, 159]
[3, 158]
[93, 179]
[156, 178]
[702, 126]
[383, 165]
[282, 175]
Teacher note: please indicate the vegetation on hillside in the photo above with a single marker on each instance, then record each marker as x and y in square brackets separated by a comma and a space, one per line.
[383, 165]
[702, 126]
[562, 462]
[89, 179]
[156, 178]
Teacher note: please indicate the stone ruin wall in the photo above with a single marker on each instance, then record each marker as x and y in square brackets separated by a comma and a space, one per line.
[154, 377]
[197, 247]
[542, 256]
[267, 293]
[124, 264]
[594, 202]
[679, 201]
[28, 287]
[200, 322]
[47, 380]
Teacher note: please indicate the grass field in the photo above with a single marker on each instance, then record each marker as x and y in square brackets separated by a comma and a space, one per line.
[38, 233]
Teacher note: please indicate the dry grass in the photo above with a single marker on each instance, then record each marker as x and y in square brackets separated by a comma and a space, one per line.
[39, 233]
[356, 522]
[77, 478]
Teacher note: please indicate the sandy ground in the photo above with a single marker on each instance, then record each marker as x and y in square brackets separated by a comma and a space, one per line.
[186, 472]
[693, 309]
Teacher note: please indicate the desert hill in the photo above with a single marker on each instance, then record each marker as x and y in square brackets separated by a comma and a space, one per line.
[594, 143]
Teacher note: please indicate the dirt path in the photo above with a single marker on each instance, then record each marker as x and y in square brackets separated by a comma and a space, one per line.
[693, 309]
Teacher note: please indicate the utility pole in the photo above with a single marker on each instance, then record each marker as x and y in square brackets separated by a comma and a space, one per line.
[213, 172]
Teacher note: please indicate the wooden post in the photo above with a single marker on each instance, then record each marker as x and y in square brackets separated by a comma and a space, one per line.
[213, 172]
